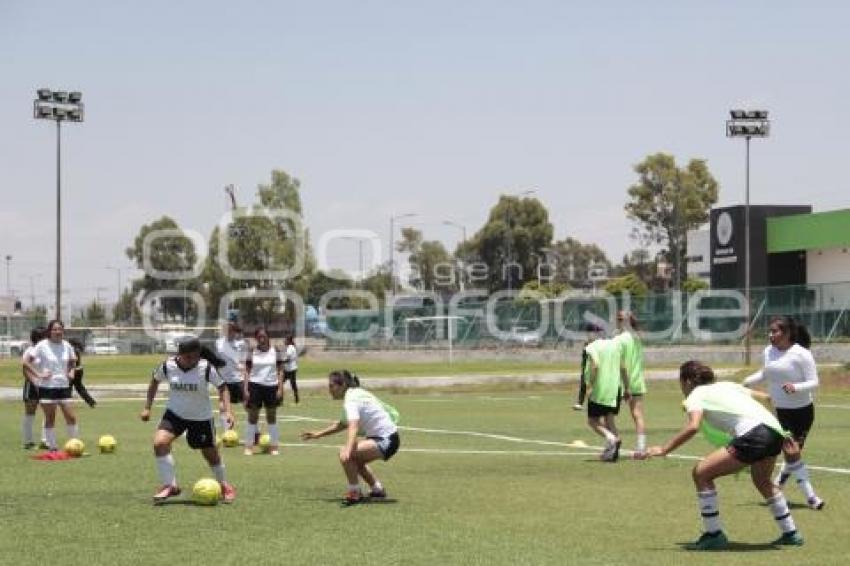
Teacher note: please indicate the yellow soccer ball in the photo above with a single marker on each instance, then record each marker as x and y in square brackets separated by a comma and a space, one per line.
[206, 491]
[265, 442]
[75, 447]
[230, 438]
[107, 444]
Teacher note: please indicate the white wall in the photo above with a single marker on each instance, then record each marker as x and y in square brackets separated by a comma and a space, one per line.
[830, 266]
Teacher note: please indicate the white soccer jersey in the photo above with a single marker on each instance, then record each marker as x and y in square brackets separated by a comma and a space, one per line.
[264, 366]
[233, 354]
[290, 358]
[27, 353]
[188, 394]
[54, 358]
[361, 405]
[795, 365]
[730, 407]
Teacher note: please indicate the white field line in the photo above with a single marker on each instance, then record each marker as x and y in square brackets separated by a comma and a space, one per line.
[822, 406]
[590, 449]
[457, 451]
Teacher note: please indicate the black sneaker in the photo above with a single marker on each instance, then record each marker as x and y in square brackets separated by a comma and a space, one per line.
[616, 454]
[29, 445]
[378, 494]
[710, 541]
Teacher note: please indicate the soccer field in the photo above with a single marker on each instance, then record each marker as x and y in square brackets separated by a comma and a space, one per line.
[484, 476]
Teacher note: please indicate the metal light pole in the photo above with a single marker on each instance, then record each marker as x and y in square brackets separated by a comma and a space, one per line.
[463, 246]
[58, 106]
[8, 279]
[747, 124]
[393, 218]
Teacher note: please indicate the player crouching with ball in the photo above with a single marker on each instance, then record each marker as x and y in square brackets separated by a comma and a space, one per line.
[362, 411]
[754, 437]
[187, 410]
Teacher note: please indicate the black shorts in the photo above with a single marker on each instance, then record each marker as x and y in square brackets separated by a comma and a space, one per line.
[290, 375]
[388, 445]
[235, 389]
[595, 410]
[30, 392]
[797, 421]
[760, 443]
[262, 396]
[200, 434]
[54, 394]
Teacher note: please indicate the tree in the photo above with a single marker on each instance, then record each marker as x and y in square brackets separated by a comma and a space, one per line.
[126, 310]
[168, 253]
[630, 283]
[573, 260]
[427, 258]
[692, 285]
[532, 290]
[667, 201]
[261, 241]
[511, 242]
[95, 314]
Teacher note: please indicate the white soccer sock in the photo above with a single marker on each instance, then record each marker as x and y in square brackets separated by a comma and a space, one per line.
[779, 507]
[165, 467]
[250, 432]
[73, 431]
[218, 471]
[222, 419]
[274, 434]
[610, 438]
[783, 475]
[641, 443]
[43, 433]
[800, 471]
[710, 510]
[26, 427]
[354, 487]
[50, 438]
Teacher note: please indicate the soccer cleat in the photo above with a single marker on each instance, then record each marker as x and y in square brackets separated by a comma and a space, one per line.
[164, 493]
[578, 407]
[274, 452]
[29, 445]
[640, 455]
[790, 539]
[616, 455]
[816, 503]
[352, 497]
[378, 494]
[43, 445]
[228, 492]
[710, 541]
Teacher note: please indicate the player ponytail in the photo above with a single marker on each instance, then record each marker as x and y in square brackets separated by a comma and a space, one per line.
[37, 334]
[344, 377]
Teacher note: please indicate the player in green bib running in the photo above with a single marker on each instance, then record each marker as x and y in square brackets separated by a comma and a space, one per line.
[756, 439]
[606, 381]
[631, 361]
[365, 414]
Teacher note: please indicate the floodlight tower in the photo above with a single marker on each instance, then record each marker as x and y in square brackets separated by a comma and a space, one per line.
[59, 106]
[747, 124]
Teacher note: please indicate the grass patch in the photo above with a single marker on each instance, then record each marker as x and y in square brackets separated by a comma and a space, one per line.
[458, 498]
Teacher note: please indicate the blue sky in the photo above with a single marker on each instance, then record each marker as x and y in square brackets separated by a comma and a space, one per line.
[383, 108]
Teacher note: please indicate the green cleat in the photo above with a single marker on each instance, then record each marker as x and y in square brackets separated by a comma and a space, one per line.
[790, 539]
[710, 541]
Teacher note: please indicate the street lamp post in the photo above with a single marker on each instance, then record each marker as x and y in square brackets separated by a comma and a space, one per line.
[359, 256]
[463, 246]
[59, 106]
[747, 124]
[393, 218]
[8, 278]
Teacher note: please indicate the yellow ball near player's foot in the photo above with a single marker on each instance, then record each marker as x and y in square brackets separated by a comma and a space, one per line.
[75, 447]
[206, 491]
[107, 444]
[230, 438]
[265, 443]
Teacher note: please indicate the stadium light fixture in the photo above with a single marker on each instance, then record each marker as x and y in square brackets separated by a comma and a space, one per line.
[747, 124]
[59, 106]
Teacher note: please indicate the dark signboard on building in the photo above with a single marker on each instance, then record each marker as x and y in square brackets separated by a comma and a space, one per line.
[729, 254]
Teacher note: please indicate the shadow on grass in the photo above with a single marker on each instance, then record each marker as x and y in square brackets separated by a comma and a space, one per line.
[365, 501]
[732, 547]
